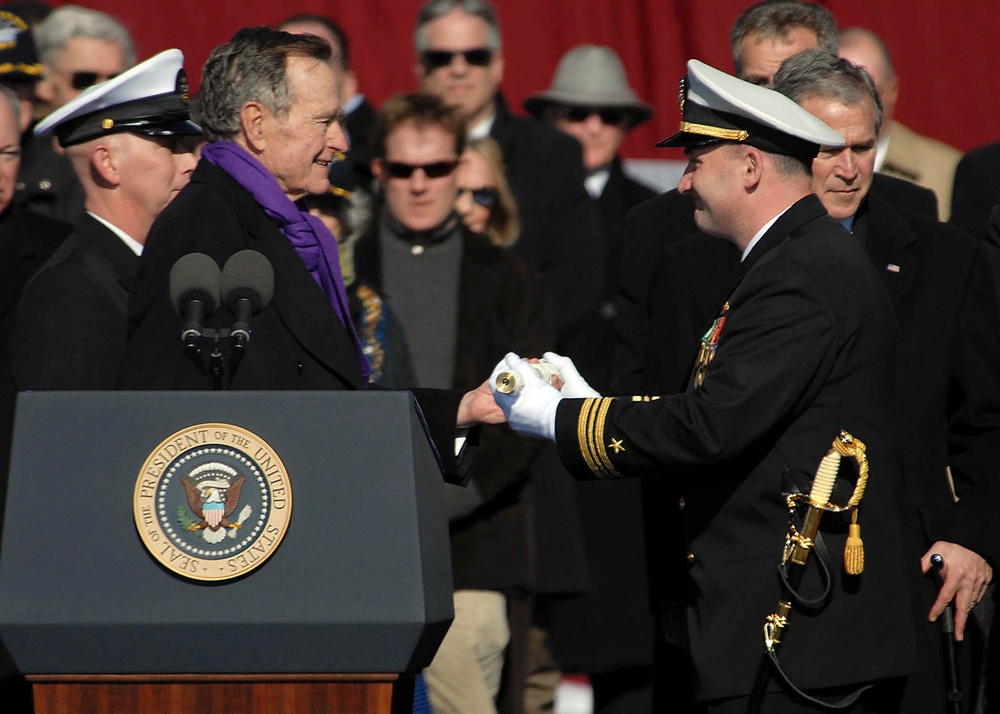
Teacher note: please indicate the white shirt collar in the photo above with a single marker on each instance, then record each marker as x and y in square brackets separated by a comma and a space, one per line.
[760, 234]
[132, 243]
[596, 182]
[483, 128]
[353, 103]
[881, 150]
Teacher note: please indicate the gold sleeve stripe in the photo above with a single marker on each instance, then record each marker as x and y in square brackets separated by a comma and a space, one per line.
[590, 436]
[582, 430]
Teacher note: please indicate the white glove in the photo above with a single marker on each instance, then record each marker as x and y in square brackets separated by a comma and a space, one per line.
[532, 409]
[574, 386]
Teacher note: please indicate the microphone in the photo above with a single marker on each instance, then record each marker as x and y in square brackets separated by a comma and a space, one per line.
[247, 286]
[195, 294]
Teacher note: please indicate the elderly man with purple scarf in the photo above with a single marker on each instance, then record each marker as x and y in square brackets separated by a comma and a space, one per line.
[273, 121]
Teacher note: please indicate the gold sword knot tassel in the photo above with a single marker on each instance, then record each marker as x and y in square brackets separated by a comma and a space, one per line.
[854, 549]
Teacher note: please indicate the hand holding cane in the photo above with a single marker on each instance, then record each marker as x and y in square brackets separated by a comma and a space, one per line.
[948, 642]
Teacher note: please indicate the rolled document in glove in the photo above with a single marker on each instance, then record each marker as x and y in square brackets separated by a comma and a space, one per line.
[510, 382]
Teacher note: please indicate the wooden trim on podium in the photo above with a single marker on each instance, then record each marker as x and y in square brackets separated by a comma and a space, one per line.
[223, 693]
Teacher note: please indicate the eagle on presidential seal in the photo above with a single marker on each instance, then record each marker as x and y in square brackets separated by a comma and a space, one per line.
[213, 494]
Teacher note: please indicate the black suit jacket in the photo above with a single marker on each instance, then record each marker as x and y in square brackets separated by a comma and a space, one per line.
[46, 183]
[70, 328]
[805, 352]
[298, 340]
[27, 240]
[619, 630]
[560, 227]
[592, 347]
[976, 190]
[942, 291]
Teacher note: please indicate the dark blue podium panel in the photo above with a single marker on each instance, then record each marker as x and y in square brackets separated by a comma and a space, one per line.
[361, 582]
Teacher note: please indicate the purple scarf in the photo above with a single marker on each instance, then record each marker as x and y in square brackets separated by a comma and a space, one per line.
[312, 240]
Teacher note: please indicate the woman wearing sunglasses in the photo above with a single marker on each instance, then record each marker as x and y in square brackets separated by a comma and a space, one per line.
[485, 201]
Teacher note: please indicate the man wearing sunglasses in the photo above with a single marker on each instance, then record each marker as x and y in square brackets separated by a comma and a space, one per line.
[607, 632]
[459, 299]
[78, 48]
[460, 60]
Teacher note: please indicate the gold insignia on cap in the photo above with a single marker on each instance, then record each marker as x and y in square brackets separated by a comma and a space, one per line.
[682, 91]
[107, 123]
[715, 132]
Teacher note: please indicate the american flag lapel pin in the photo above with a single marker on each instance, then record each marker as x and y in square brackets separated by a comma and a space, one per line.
[892, 268]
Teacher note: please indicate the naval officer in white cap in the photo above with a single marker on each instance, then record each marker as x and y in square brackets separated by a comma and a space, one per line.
[131, 142]
[800, 351]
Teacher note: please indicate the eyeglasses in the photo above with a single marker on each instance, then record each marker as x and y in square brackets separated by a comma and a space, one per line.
[82, 80]
[436, 59]
[437, 169]
[608, 115]
[486, 196]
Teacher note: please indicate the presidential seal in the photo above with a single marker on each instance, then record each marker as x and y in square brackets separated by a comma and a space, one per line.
[212, 502]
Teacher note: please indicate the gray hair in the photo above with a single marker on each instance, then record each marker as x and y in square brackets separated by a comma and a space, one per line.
[54, 32]
[774, 19]
[814, 73]
[14, 102]
[251, 67]
[433, 9]
[859, 34]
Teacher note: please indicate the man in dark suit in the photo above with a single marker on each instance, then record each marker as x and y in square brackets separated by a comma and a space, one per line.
[606, 632]
[26, 241]
[459, 299]
[460, 60]
[264, 156]
[130, 141]
[977, 190]
[79, 47]
[798, 353]
[941, 286]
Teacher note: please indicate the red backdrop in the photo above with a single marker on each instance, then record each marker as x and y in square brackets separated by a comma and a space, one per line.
[943, 51]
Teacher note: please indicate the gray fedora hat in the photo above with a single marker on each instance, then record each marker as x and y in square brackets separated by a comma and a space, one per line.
[591, 76]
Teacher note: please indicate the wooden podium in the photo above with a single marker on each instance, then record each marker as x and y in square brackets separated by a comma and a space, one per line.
[352, 602]
[222, 694]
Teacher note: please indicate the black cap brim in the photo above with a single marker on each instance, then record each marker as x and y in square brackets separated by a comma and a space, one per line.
[683, 139]
[185, 127]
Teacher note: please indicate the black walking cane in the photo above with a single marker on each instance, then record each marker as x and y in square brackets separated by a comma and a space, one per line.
[948, 643]
[798, 546]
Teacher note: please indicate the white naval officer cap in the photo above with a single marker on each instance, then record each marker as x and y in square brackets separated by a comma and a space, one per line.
[718, 107]
[149, 99]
